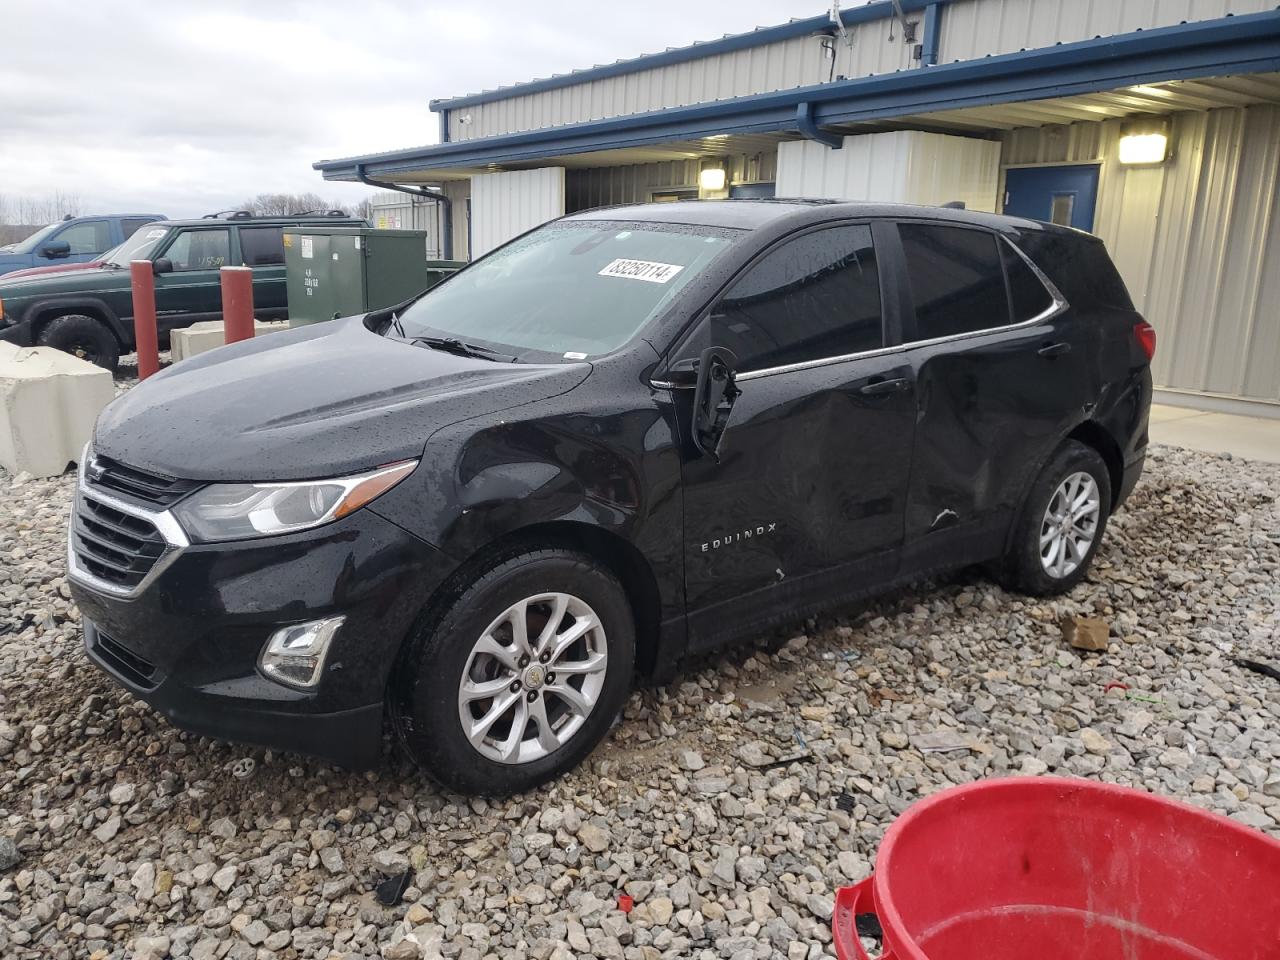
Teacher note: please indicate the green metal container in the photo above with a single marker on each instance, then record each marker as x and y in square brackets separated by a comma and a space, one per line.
[342, 271]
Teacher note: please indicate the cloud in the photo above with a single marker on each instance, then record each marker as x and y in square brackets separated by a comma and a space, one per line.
[187, 108]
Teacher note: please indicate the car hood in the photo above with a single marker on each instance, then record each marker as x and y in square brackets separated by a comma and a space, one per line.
[320, 401]
[92, 277]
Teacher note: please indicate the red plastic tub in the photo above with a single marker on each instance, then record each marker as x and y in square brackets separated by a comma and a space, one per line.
[1042, 868]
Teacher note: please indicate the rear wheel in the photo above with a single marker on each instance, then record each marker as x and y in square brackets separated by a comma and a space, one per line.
[1061, 524]
[83, 336]
[519, 677]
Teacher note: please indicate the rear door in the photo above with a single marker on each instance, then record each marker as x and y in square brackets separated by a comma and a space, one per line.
[193, 290]
[1001, 376]
[806, 501]
[262, 248]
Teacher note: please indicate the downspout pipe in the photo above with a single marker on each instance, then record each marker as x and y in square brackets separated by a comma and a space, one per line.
[932, 35]
[443, 203]
[808, 127]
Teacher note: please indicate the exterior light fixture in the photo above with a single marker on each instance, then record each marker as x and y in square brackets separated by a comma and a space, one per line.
[1144, 141]
[711, 178]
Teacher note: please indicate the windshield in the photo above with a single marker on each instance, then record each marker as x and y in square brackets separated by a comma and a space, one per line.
[575, 289]
[32, 242]
[137, 247]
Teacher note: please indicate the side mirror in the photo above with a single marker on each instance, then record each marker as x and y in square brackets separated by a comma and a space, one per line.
[713, 398]
[56, 249]
[162, 265]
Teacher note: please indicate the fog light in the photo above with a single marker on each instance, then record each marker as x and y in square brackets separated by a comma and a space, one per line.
[295, 654]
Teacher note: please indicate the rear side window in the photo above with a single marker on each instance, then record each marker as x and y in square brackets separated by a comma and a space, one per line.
[262, 246]
[814, 297]
[957, 279]
[1079, 267]
[1027, 295]
[131, 225]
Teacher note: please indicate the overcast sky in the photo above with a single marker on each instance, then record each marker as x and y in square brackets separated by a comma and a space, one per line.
[184, 108]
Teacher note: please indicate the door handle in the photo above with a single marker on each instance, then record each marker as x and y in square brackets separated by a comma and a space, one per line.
[1054, 349]
[882, 387]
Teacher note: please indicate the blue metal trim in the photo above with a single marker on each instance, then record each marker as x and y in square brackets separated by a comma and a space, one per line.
[805, 121]
[730, 44]
[1240, 44]
[932, 35]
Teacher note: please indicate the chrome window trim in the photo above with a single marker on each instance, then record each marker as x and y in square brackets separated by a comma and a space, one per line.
[164, 521]
[1058, 306]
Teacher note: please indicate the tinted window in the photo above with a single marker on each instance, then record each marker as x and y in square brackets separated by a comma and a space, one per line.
[1027, 294]
[1079, 267]
[131, 225]
[956, 279]
[199, 249]
[814, 297]
[261, 246]
[91, 237]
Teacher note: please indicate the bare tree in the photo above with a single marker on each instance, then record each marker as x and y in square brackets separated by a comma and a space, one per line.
[292, 204]
[28, 210]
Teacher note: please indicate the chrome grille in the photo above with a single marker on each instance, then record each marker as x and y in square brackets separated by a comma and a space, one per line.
[115, 547]
[115, 477]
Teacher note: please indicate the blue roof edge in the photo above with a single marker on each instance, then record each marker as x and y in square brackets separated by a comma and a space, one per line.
[1245, 44]
[738, 41]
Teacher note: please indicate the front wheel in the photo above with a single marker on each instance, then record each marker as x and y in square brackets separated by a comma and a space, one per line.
[1061, 523]
[519, 676]
[83, 336]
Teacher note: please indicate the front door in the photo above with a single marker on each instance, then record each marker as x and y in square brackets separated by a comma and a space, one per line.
[192, 291]
[806, 502]
[1064, 195]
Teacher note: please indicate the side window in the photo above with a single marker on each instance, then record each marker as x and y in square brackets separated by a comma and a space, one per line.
[200, 249]
[1027, 294]
[814, 297]
[131, 225]
[262, 246]
[957, 280]
[93, 236]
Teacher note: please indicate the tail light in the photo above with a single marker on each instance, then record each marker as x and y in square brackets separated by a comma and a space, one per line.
[1145, 334]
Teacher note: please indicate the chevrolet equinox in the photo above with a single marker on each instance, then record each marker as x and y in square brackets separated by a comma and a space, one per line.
[627, 436]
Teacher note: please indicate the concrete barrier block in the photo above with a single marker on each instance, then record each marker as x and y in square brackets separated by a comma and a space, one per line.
[207, 334]
[49, 401]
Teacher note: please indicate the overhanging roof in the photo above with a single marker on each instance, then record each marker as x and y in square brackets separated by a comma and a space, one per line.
[1216, 48]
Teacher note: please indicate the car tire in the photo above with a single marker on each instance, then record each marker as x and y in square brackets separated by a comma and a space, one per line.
[1061, 524]
[464, 664]
[82, 336]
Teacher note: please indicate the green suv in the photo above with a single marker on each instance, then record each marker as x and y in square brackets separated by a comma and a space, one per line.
[90, 312]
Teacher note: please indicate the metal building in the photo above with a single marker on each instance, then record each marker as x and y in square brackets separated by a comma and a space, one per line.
[1153, 123]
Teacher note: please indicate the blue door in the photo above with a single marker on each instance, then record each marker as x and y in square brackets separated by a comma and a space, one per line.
[1064, 195]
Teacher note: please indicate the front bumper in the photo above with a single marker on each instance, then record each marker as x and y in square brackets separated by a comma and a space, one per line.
[187, 642]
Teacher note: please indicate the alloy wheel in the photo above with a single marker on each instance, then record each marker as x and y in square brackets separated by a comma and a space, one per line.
[1070, 525]
[532, 678]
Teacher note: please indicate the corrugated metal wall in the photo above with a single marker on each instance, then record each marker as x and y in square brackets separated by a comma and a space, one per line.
[1197, 240]
[904, 166]
[505, 205]
[636, 183]
[400, 211]
[979, 28]
[969, 29]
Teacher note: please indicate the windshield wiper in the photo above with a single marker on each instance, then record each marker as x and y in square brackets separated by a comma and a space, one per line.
[454, 345]
[398, 327]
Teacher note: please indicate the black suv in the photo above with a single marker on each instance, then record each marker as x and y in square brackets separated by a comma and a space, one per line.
[629, 435]
[90, 312]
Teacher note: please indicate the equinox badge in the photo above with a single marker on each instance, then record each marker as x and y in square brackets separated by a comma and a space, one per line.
[739, 536]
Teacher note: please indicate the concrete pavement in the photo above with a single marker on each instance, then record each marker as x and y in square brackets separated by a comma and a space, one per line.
[1253, 438]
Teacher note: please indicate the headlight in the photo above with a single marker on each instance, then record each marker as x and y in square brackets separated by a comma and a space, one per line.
[239, 511]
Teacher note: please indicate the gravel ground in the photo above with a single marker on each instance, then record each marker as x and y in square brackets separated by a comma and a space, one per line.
[121, 837]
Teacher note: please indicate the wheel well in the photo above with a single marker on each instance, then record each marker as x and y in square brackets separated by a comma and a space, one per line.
[48, 314]
[1093, 434]
[619, 555]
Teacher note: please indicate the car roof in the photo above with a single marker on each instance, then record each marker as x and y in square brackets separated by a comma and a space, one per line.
[753, 214]
[263, 221]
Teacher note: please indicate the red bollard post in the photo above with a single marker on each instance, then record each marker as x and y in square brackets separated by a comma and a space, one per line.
[237, 303]
[142, 280]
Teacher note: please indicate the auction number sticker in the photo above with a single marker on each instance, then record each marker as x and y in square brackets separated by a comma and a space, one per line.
[647, 270]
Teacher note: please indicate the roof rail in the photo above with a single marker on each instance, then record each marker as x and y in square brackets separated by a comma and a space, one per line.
[228, 215]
